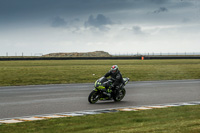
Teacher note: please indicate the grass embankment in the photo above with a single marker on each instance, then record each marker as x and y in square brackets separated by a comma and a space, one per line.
[184, 119]
[81, 71]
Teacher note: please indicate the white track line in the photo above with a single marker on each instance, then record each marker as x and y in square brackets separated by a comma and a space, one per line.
[91, 112]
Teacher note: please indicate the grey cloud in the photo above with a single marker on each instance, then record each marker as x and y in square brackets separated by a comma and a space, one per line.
[137, 30]
[186, 20]
[30, 8]
[41, 8]
[37, 12]
[160, 10]
[159, 1]
[59, 22]
[98, 22]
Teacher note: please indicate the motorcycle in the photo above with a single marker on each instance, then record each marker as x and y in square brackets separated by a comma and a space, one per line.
[103, 84]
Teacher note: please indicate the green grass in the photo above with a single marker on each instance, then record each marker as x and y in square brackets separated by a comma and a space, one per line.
[184, 119]
[81, 71]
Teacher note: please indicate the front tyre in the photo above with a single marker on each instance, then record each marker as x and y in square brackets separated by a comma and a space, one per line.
[93, 97]
[119, 95]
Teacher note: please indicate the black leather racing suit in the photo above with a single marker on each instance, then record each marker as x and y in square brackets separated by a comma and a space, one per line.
[118, 80]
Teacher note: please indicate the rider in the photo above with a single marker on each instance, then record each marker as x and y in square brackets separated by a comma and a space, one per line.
[116, 76]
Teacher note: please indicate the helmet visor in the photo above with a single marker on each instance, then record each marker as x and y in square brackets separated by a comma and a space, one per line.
[113, 71]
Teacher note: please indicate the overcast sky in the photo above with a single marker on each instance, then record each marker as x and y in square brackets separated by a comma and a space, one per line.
[114, 26]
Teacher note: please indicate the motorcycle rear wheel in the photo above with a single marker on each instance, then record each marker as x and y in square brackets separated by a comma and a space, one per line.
[120, 95]
[93, 97]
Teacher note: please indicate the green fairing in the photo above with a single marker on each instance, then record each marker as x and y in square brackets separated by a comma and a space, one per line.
[97, 83]
[109, 91]
[98, 86]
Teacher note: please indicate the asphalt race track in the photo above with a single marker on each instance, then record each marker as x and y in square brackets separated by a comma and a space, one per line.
[20, 101]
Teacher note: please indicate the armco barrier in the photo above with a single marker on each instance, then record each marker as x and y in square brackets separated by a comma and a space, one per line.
[68, 58]
[98, 58]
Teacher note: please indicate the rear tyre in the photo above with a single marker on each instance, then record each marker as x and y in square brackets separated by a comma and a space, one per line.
[119, 95]
[93, 97]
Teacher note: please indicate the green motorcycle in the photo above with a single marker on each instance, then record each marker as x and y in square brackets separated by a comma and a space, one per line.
[103, 84]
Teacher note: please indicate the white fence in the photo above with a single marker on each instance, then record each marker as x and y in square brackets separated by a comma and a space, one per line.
[157, 54]
[116, 54]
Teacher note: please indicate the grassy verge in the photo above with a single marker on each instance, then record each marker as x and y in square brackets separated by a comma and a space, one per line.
[81, 71]
[182, 119]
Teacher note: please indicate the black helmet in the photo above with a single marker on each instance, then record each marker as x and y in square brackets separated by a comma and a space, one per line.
[114, 69]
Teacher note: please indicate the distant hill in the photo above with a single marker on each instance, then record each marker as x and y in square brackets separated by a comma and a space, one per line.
[76, 54]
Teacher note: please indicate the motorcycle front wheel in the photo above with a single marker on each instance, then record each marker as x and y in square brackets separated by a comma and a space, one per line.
[93, 97]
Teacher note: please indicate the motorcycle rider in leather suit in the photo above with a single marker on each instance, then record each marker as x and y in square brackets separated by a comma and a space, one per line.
[116, 76]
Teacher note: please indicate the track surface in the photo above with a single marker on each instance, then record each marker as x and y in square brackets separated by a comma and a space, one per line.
[20, 101]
